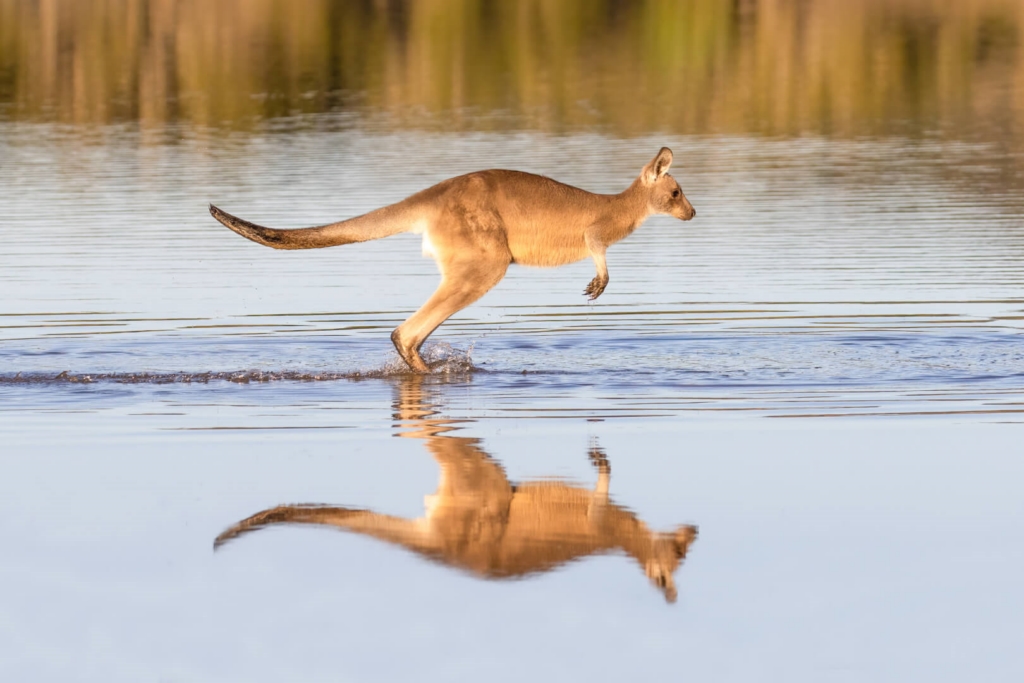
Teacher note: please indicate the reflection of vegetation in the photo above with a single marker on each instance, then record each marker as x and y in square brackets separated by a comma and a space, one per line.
[775, 66]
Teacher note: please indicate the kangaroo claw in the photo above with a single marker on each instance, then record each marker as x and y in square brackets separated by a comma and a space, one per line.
[595, 288]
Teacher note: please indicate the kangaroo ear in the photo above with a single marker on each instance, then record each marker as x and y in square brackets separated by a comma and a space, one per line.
[659, 165]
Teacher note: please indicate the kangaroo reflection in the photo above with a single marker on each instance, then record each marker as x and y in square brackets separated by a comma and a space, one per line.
[480, 522]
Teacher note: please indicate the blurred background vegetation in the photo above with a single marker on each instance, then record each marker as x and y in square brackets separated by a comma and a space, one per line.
[837, 67]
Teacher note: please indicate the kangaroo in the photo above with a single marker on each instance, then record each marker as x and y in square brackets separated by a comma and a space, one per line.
[481, 523]
[475, 225]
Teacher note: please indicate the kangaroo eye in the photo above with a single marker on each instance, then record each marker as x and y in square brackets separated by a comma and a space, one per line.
[675, 194]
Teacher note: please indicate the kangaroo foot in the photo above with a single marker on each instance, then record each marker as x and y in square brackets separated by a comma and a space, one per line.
[409, 354]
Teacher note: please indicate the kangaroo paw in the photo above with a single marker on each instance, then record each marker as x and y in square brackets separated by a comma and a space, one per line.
[599, 459]
[596, 287]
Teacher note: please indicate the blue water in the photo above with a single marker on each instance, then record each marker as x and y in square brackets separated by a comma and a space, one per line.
[824, 372]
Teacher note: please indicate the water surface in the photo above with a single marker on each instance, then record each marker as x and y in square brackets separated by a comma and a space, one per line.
[816, 271]
[824, 372]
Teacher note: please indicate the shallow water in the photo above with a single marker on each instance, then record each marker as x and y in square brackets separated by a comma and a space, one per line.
[823, 373]
[872, 276]
[164, 379]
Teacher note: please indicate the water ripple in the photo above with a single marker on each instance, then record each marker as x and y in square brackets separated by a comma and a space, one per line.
[817, 269]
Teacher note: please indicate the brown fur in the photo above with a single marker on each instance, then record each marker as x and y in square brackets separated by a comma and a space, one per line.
[476, 225]
[479, 522]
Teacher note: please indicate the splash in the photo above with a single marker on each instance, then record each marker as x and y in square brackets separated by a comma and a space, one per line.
[237, 377]
[443, 359]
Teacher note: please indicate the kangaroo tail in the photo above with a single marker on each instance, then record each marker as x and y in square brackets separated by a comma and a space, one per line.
[286, 514]
[380, 223]
[398, 530]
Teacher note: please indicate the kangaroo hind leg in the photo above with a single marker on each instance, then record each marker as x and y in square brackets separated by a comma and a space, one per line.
[462, 282]
[469, 243]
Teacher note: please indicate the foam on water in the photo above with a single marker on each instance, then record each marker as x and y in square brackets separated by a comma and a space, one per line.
[443, 359]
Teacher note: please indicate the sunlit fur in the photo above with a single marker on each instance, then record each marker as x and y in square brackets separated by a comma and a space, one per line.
[477, 224]
[480, 522]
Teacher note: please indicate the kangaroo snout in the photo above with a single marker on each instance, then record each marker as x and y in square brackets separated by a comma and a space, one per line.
[685, 213]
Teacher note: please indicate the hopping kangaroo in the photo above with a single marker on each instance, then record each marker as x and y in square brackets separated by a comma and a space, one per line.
[479, 522]
[475, 225]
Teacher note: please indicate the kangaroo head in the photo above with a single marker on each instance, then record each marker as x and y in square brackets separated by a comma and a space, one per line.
[663, 192]
[668, 551]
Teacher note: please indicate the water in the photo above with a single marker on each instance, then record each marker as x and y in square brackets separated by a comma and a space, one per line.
[818, 273]
[823, 373]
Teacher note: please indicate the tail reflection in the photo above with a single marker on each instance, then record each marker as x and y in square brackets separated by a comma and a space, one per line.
[480, 522]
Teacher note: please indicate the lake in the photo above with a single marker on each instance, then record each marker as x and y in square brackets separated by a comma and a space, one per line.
[784, 444]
